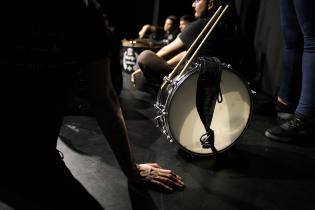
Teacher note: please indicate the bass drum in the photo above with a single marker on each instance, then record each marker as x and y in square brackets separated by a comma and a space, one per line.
[179, 121]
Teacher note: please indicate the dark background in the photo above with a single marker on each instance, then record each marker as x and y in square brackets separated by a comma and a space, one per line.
[259, 20]
[129, 16]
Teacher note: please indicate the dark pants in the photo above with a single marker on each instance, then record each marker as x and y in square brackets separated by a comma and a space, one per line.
[298, 80]
[153, 67]
[33, 176]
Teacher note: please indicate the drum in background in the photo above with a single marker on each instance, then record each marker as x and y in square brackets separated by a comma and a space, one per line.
[132, 48]
[179, 121]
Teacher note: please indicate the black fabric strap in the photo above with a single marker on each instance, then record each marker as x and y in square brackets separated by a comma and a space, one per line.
[208, 93]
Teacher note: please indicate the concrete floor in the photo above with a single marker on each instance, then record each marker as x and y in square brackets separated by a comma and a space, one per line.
[255, 173]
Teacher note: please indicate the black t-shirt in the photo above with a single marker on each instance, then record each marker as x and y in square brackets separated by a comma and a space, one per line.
[219, 44]
[161, 36]
[169, 37]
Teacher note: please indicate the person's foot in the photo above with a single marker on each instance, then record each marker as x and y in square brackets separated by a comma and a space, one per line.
[284, 111]
[289, 131]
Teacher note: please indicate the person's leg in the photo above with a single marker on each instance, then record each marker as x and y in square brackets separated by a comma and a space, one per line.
[153, 67]
[289, 90]
[306, 18]
[297, 57]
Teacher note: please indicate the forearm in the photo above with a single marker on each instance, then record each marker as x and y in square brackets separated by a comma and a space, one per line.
[114, 129]
[175, 60]
[107, 111]
[145, 29]
[169, 51]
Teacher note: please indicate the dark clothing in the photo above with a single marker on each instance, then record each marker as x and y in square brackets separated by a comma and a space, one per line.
[221, 43]
[43, 46]
[69, 29]
[161, 36]
[43, 185]
[40, 58]
[297, 84]
[169, 37]
[154, 68]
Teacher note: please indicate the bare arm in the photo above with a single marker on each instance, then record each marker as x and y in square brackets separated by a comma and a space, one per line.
[107, 111]
[147, 28]
[175, 60]
[108, 114]
[171, 50]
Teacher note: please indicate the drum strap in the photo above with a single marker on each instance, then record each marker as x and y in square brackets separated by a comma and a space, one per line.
[208, 93]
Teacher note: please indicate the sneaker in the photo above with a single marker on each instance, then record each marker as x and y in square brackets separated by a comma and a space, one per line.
[288, 131]
[284, 112]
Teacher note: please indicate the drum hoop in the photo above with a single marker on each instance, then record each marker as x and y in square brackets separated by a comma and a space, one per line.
[179, 81]
[168, 100]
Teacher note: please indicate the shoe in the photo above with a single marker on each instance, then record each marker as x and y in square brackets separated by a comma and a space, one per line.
[289, 131]
[284, 112]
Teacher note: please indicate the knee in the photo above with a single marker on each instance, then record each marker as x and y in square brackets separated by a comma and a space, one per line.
[144, 60]
[145, 56]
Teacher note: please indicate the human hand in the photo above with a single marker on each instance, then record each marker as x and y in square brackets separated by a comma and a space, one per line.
[154, 176]
[135, 75]
[141, 34]
[144, 30]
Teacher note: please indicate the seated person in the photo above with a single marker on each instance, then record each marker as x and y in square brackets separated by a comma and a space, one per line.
[184, 21]
[154, 66]
[166, 34]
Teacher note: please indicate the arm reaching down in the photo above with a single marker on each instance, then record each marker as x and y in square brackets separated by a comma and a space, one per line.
[108, 113]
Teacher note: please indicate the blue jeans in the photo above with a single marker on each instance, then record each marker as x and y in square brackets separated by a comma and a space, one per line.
[298, 79]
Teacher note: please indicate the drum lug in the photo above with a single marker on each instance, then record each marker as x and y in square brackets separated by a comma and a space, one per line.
[159, 108]
[174, 85]
[161, 113]
[227, 66]
[168, 137]
[159, 120]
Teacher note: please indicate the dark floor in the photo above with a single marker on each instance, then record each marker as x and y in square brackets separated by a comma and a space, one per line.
[255, 173]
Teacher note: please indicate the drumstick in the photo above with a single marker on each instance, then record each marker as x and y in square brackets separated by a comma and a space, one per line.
[212, 22]
[189, 62]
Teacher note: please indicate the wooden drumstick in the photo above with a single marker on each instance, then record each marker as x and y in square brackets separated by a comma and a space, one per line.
[191, 59]
[202, 35]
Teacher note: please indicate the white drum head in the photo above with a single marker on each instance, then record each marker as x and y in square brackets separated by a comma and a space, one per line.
[229, 120]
